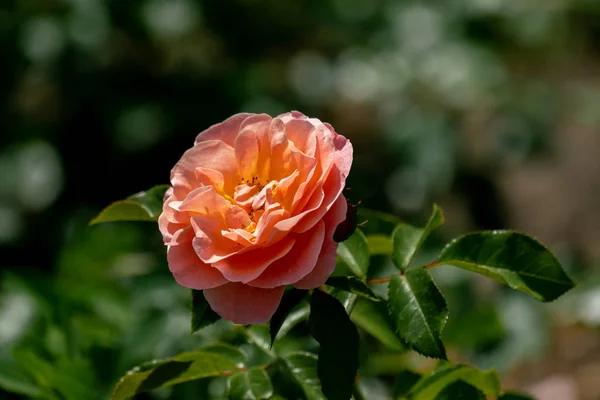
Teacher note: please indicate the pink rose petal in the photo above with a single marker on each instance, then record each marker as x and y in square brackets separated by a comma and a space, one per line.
[243, 304]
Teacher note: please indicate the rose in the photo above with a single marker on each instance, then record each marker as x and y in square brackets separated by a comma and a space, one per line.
[253, 207]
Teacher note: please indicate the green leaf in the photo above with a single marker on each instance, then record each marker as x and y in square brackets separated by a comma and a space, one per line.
[380, 245]
[215, 361]
[302, 367]
[515, 396]
[512, 258]
[373, 318]
[298, 315]
[250, 385]
[376, 222]
[142, 206]
[353, 285]
[407, 239]
[232, 353]
[419, 311]
[460, 390]
[404, 382]
[202, 314]
[291, 298]
[14, 379]
[355, 253]
[338, 338]
[433, 384]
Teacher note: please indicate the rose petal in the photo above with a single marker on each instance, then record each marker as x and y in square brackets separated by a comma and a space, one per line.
[244, 304]
[246, 154]
[225, 131]
[210, 245]
[298, 263]
[210, 177]
[187, 268]
[302, 133]
[212, 154]
[249, 265]
[259, 126]
[332, 188]
[328, 255]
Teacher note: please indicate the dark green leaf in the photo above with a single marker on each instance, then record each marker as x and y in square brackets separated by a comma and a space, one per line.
[380, 244]
[298, 315]
[460, 390]
[407, 239]
[214, 361]
[259, 335]
[338, 338]
[355, 253]
[433, 384]
[143, 206]
[513, 258]
[353, 285]
[303, 367]
[250, 385]
[418, 311]
[373, 318]
[202, 314]
[404, 382]
[290, 299]
[515, 396]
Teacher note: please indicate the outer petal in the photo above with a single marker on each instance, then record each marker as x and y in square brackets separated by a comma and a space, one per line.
[247, 266]
[187, 268]
[295, 265]
[244, 304]
[211, 154]
[328, 255]
[225, 131]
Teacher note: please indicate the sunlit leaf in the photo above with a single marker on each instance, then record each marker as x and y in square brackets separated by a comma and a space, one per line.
[202, 314]
[434, 383]
[250, 385]
[303, 367]
[373, 318]
[216, 361]
[407, 239]
[380, 244]
[419, 311]
[355, 253]
[512, 258]
[338, 339]
[143, 206]
[290, 299]
[353, 285]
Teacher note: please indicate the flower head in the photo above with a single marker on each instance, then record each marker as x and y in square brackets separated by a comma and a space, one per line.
[253, 207]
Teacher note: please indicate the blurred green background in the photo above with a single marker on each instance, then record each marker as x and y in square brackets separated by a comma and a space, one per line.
[491, 108]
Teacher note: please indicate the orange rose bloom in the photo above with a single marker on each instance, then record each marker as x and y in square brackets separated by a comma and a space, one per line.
[253, 207]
